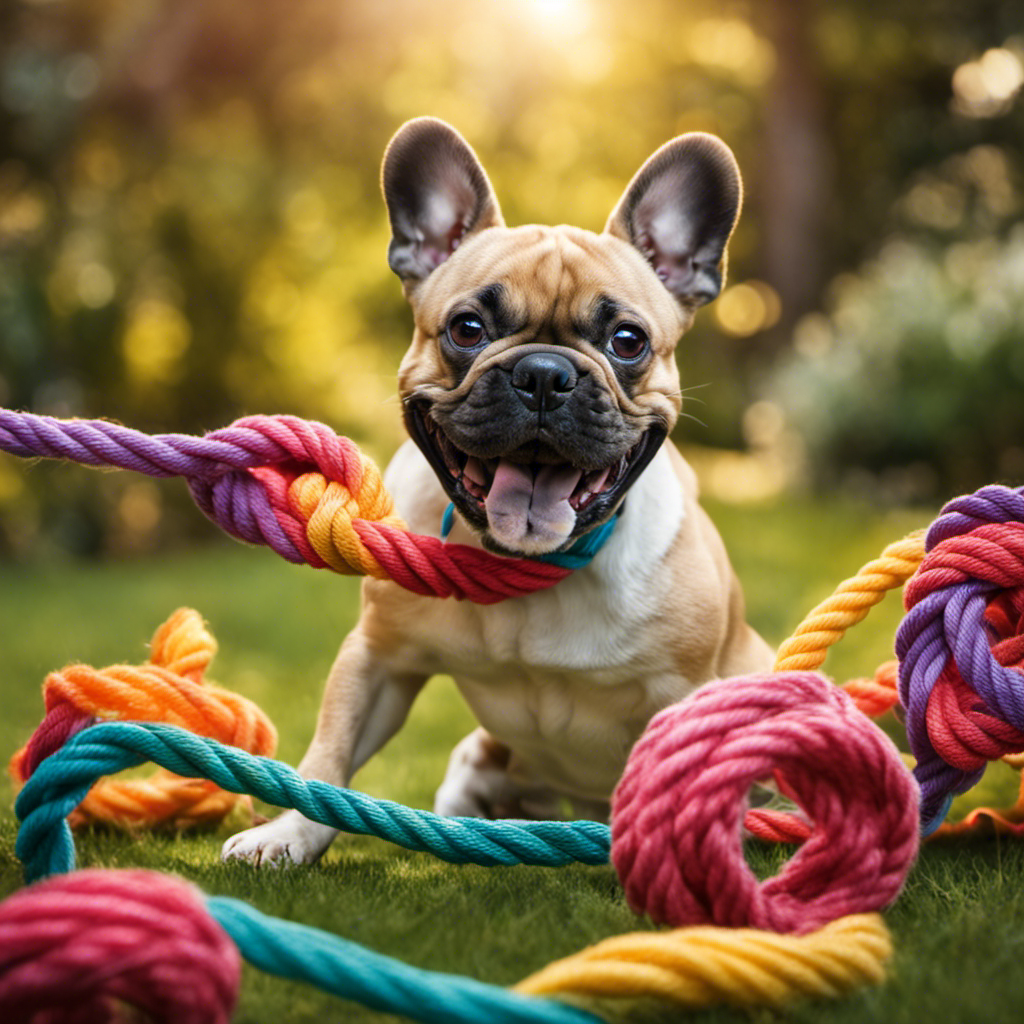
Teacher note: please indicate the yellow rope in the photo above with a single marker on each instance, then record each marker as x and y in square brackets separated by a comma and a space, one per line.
[705, 966]
[329, 508]
[849, 604]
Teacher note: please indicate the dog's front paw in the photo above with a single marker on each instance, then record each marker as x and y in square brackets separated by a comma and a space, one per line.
[288, 839]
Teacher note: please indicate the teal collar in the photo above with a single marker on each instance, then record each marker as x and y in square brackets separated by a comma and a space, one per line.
[576, 557]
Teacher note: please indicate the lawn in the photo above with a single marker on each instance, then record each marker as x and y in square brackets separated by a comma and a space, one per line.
[958, 926]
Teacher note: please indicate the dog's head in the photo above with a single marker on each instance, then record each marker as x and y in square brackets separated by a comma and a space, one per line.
[541, 378]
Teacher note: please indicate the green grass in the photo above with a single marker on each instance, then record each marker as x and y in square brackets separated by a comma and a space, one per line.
[958, 925]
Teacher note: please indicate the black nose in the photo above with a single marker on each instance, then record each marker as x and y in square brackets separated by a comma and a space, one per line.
[543, 380]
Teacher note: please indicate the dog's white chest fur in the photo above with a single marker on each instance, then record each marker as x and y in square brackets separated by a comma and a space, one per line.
[567, 677]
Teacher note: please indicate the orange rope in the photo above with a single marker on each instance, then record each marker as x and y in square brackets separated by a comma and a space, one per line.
[876, 696]
[169, 688]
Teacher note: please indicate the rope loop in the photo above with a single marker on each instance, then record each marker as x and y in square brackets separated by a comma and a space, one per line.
[678, 809]
[74, 947]
[169, 688]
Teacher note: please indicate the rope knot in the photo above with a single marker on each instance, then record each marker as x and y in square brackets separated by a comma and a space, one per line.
[170, 688]
[678, 809]
[961, 646]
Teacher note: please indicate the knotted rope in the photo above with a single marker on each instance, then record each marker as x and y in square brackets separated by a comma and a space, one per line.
[71, 948]
[851, 953]
[677, 811]
[169, 688]
[961, 646]
[294, 486]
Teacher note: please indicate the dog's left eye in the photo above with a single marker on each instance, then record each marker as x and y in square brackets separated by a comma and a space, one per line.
[466, 330]
[629, 342]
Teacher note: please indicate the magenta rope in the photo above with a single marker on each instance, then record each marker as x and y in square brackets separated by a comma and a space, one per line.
[677, 813]
[73, 946]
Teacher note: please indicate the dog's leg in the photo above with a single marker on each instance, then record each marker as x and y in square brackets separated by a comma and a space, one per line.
[364, 706]
[482, 781]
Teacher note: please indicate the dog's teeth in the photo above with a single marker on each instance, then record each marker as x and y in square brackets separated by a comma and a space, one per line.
[475, 471]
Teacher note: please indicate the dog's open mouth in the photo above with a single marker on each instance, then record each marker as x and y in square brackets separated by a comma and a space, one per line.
[530, 499]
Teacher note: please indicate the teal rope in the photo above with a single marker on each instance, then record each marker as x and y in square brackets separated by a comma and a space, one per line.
[61, 781]
[345, 969]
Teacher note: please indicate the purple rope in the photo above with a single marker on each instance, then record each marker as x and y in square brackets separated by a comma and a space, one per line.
[948, 624]
[991, 504]
[216, 466]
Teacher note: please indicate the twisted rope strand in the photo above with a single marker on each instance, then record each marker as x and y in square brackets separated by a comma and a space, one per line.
[849, 604]
[744, 967]
[45, 846]
[71, 946]
[348, 970]
[292, 485]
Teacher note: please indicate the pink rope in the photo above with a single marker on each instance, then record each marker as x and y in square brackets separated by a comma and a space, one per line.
[74, 946]
[678, 810]
[62, 721]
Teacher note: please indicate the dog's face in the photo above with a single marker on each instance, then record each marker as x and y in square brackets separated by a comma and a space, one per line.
[541, 378]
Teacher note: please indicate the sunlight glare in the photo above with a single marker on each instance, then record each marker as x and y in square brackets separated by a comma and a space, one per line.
[564, 17]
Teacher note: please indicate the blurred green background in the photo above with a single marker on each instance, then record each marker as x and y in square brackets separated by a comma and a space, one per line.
[191, 230]
[191, 227]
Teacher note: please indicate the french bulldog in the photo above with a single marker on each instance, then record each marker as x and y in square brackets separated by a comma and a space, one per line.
[539, 391]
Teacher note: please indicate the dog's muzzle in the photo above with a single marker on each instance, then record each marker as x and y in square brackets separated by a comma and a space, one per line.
[535, 453]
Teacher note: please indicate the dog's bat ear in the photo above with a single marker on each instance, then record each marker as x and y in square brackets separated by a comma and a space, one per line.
[679, 211]
[436, 193]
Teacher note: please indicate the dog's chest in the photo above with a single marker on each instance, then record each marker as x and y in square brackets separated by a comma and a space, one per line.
[568, 685]
[567, 677]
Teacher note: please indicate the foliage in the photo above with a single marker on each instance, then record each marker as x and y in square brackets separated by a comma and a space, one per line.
[911, 384]
[190, 222]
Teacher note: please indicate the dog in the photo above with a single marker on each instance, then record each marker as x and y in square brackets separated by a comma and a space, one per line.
[539, 391]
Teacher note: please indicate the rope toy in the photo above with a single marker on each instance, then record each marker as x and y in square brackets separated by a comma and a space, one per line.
[960, 649]
[961, 646]
[677, 852]
[169, 688]
[45, 846]
[858, 952]
[745, 967]
[182, 940]
[71, 948]
[677, 811]
[294, 486]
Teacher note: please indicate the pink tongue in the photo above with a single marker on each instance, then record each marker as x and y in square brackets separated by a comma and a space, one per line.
[520, 505]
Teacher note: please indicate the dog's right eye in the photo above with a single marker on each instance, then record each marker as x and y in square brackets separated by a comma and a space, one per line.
[466, 330]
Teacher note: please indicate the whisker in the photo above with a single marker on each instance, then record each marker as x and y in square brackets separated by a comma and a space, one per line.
[687, 416]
